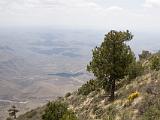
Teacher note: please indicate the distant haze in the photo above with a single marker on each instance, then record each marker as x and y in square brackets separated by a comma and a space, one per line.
[45, 45]
[40, 63]
[43, 36]
[97, 14]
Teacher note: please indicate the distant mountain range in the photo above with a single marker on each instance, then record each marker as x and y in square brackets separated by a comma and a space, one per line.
[28, 58]
[37, 65]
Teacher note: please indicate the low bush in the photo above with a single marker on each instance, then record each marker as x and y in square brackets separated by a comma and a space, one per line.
[57, 111]
[87, 88]
[153, 113]
[136, 69]
[155, 63]
[69, 115]
[111, 113]
[68, 94]
[132, 96]
[144, 55]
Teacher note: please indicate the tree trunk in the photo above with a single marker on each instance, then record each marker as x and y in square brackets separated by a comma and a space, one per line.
[108, 83]
[112, 90]
[15, 117]
[112, 77]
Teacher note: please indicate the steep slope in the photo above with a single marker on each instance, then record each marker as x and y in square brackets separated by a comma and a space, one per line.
[96, 106]
[144, 106]
[136, 98]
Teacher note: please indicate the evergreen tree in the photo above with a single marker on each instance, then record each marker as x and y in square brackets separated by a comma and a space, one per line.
[12, 112]
[110, 61]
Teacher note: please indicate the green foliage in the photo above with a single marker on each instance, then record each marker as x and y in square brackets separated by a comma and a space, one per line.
[125, 115]
[111, 60]
[153, 113]
[111, 112]
[69, 115]
[87, 88]
[54, 111]
[149, 108]
[13, 111]
[144, 55]
[155, 63]
[98, 111]
[136, 69]
[68, 94]
[57, 111]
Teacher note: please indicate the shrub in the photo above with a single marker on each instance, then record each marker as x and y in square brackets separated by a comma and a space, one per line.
[99, 112]
[54, 111]
[68, 94]
[111, 113]
[144, 55]
[155, 63]
[69, 115]
[87, 88]
[136, 69]
[125, 115]
[57, 111]
[132, 96]
[150, 107]
[153, 113]
[95, 108]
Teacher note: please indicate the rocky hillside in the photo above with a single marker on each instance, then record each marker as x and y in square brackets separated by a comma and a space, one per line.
[136, 99]
[139, 100]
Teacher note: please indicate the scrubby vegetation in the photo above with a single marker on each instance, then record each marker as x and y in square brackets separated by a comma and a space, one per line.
[90, 86]
[132, 96]
[155, 63]
[68, 94]
[134, 84]
[144, 55]
[12, 113]
[58, 111]
[136, 69]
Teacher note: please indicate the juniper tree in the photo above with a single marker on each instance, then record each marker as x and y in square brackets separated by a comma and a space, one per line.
[12, 111]
[110, 61]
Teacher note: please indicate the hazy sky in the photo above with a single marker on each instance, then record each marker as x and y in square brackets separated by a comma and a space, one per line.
[110, 14]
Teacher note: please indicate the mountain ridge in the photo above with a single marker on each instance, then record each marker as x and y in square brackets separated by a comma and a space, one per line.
[135, 99]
